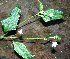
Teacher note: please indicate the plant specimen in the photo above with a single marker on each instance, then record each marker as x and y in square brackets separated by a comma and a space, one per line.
[49, 14]
[11, 24]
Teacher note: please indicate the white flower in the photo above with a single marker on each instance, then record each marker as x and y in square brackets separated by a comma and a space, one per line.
[51, 14]
[54, 44]
[33, 55]
[20, 31]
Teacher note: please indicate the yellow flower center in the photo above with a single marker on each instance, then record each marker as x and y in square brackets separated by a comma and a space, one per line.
[51, 14]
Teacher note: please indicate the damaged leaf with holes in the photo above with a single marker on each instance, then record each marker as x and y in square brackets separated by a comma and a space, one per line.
[21, 49]
[52, 14]
[11, 22]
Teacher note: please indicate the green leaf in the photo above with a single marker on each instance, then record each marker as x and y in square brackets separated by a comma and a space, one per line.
[52, 14]
[49, 35]
[57, 37]
[11, 22]
[21, 49]
[41, 6]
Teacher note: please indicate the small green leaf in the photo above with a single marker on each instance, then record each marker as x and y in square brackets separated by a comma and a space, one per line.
[57, 37]
[21, 49]
[41, 6]
[49, 35]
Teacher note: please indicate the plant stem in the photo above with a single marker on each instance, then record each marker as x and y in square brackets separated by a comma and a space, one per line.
[33, 38]
[8, 37]
[51, 37]
[23, 38]
[28, 18]
[3, 35]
